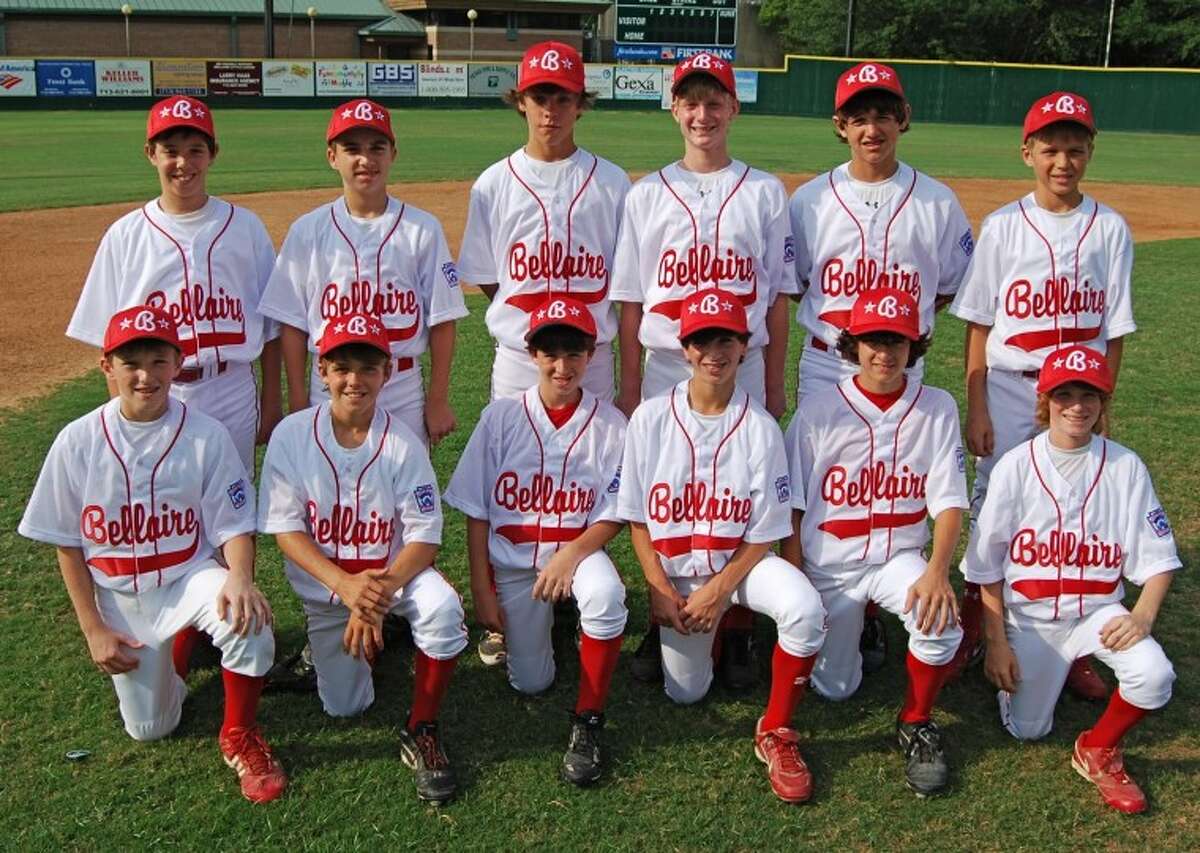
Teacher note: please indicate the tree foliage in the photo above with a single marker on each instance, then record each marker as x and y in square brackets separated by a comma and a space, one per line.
[1146, 33]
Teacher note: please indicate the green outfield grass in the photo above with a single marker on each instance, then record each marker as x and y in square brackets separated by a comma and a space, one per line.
[678, 778]
[66, 158]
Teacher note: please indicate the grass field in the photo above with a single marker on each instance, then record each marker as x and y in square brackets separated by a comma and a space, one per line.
[679, 778]
[58, 159]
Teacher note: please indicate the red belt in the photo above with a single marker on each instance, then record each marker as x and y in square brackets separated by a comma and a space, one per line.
[405, 363]
[195, 374]
[820, 345]
[354, 566]
[674, 546]
[1035, 589]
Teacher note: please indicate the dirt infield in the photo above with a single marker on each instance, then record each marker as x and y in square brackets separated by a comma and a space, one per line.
[45, 255]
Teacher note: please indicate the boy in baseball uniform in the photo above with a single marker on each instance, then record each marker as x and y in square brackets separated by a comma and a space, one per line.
[541, 223]
[872, 223]
[705, 488]
[351, 497]
[205, 262]
[538, 483]
[706, 220]
[871, 459]
[369, 253]
[1069, 515]
[1051, 269]
[141, 498]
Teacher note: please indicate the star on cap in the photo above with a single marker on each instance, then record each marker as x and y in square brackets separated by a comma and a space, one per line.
[1058, 362]
[379, 115]
[718, 64]
[339, 328]
[575, 312]
[346, 113]
[851, 79]
[905, 310]
[164, 112]
[884, 75]
[199, 111]
[1081, 106]
[541, 314]
[567, 63]
[1094, 364]
[126, 323]
[375, 328]
[692, 308]
[1048, 106]
[535, 61]
[869, 308]
[164, 324]
[727, 305]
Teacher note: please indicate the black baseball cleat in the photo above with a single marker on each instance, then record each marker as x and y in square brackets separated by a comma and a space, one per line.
[295, 674]
[582, 763]
[647, 659]
[736, 667]
[925, 770]
[422, 752]
[872, 645]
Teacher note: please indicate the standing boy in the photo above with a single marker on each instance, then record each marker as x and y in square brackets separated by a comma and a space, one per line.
[141, 497]
[705, 221]
[705, 488]
[205, 262]
[542, 223]
[369, 253]
[1051, 269]
[871, 459]
[352, 499]
[538, 482]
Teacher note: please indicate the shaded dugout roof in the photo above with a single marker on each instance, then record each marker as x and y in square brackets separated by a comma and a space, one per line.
[397, 25]
[344, 9]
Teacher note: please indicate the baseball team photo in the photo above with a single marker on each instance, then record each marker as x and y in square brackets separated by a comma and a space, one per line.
[599, 425]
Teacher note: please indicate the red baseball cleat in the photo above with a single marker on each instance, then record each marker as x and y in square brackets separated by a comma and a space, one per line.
[1104, 767]
[261, 775]
[778, 749]
[1084, 682]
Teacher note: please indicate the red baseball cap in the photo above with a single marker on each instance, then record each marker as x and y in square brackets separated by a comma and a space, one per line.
[360, 113]
[141, 322]
[709, 64]
[1059, 106]
[1075, 364]
[562, 311]
[354, 329]
[864, 77]
[712, 308]
[886, 311]
[179, 111]
[551, 63]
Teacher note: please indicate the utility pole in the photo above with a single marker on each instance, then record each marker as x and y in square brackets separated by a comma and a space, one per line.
[269, 29]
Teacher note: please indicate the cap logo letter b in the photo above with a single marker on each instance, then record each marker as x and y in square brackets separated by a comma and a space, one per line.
[182, 109]
[363, 112]
[144, 322]
[557, 310]
[868, 74]
[888, 307]
[1065, 104]
[357, 325]
[710, 304]
[1077, 361]
[702, 60]
[550, 60]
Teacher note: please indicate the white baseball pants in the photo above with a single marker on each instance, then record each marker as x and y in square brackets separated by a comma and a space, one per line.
[231, 398]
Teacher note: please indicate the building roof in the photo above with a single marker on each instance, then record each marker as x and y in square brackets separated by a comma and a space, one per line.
[572, 6]
[341, 9]
[397, 25]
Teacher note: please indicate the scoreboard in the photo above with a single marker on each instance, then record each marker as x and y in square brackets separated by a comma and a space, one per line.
[696, 23]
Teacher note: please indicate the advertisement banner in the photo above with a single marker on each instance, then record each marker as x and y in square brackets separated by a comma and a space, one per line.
[638, 83]
[392, 78]
[491, 81]
[116, 78]
[180, 77]
[667, 52]
[235, 78]
[599, 79]
[71, 78]
[287, 79]
[747, 86]
[18, 78]
[343, 79]
[442, 80]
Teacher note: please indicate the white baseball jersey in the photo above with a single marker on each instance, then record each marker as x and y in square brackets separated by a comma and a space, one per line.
[539, 486]
[145, 502]
[360, 505]
[1043, 281]
[701, 484]
[918, 240]
[866, 479]
[1062, 551]
[682, 232]
[396, 267]
[538, 229]
[206, 269]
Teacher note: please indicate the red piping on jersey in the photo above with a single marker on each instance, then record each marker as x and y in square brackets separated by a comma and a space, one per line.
[567, 456]
[392, 334]
[387, 425]
[1083, 511]
[703, 540]
[1057, 509]
[211, 246]
[895, 460]
[337, 485]
[133, 565]
[186, 280]
[1059, 336]
[541, 471]
[870, 464]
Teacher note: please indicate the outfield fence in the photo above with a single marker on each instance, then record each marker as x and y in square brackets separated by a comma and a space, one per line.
[1160, 100]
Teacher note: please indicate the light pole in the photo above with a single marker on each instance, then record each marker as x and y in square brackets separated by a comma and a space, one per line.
[471, 16]
[312, 32]
[1112, 8]
[127, 10]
